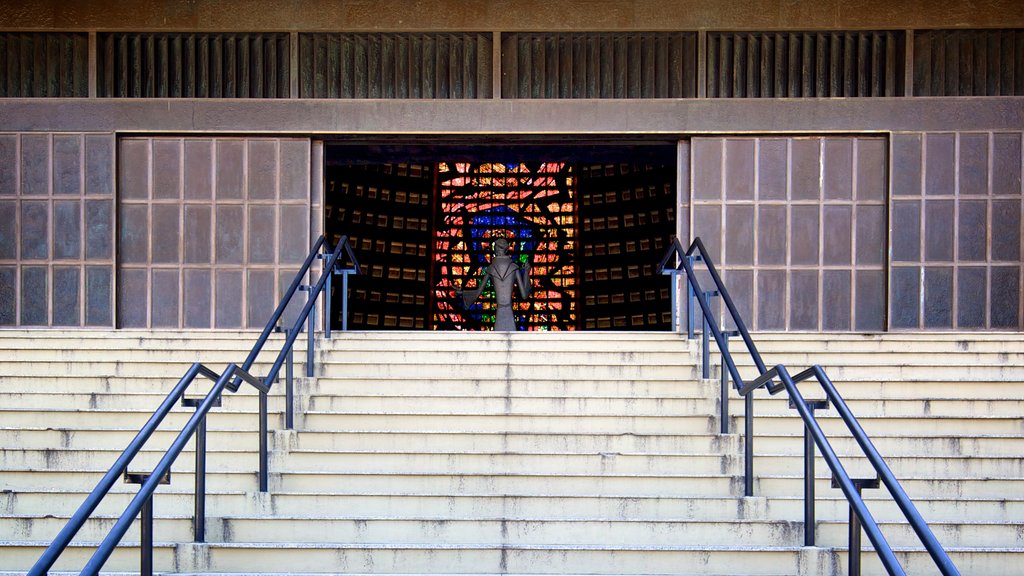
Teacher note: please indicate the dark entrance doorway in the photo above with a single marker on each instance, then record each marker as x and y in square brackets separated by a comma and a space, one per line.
[591, 217]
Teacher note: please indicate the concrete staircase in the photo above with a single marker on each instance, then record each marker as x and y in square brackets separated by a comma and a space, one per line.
[562, 453]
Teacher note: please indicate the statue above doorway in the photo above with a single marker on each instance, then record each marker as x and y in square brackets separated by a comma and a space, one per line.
[503, 273]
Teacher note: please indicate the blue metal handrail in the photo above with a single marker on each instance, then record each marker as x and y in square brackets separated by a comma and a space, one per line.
[230, 379]
[685, 260]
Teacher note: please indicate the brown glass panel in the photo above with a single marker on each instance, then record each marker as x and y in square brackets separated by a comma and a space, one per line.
[906, 164]
[836, 293]
[838, 235]
[940, 166]
[838, 157]
[1005, 297]
[707, 169]
[34, 292]
[771, 299]
[972, 297]
[972, 240]
[772, 169]
[906, 230]
[67, 164]
[8, 159]
[938, 230]
[803, 300]
[804, 235]
[739, 228]
[905, 300]
[804, 178]
[870, 304]
[739, 169]
[35, 222]
[938, 297]
[1006, 230]
[98, 285]
[974, 160]
[1006, 164]
[772, 234]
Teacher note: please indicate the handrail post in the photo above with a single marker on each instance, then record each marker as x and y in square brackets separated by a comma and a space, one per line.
[705, 338]
[264, 452]
[146, 526]
[809, 453]
[344, 300]
[289, 381]
[690, 295]
[310, 327]
[199, 514]
[854, 532]
[327, 297]
[748, 444]
[724, 384]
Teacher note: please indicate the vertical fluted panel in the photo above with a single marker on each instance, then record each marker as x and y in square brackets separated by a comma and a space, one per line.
[44, 64]
[804, 64]
[395, 65]
[599, 65]
[969, 63]
[141, 65]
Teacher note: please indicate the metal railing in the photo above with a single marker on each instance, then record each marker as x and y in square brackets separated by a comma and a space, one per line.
[231, 379]
[686, 261]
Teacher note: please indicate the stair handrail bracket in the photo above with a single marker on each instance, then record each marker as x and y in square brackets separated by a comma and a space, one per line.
[340, 258]
[778, 378]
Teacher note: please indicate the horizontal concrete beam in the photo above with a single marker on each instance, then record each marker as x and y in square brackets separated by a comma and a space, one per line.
[512, 117]
[508, 15]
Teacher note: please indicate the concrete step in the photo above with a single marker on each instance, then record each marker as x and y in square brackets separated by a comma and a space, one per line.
[537, 532]
[865, 407]
[71, 419]
[625, 406]
[85, 479]
[497, 463]
[964, 533]
[933, 487]
[401, 558]
[515, 423]
[19, 555]
[519, 483]
[502, 371]
[832, 505]
[979, 466]
[910, 425]
[138, 400]
[484, 442]
[177, 500]
[537, 385]
[899, 445]
[45, 528]
[223, 459]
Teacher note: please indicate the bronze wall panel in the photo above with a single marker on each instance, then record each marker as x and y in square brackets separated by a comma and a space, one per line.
[960, 237]
[41, 64]
[51, 234]
[813, 231]
[969, 62]
[199, 258]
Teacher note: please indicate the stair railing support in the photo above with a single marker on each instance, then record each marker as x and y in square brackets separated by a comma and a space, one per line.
[199, 514]
[748, 444]
[809, 454]
[723, 413]
[289, 382]
[310, 327]
[264, 449]
[854, 532]
[146, 527]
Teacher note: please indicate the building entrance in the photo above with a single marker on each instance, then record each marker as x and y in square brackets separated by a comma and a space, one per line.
[590, 220]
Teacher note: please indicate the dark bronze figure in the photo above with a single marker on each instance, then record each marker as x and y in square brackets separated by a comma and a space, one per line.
[503, 272]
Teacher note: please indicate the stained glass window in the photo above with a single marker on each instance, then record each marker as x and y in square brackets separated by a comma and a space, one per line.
[532, 205]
